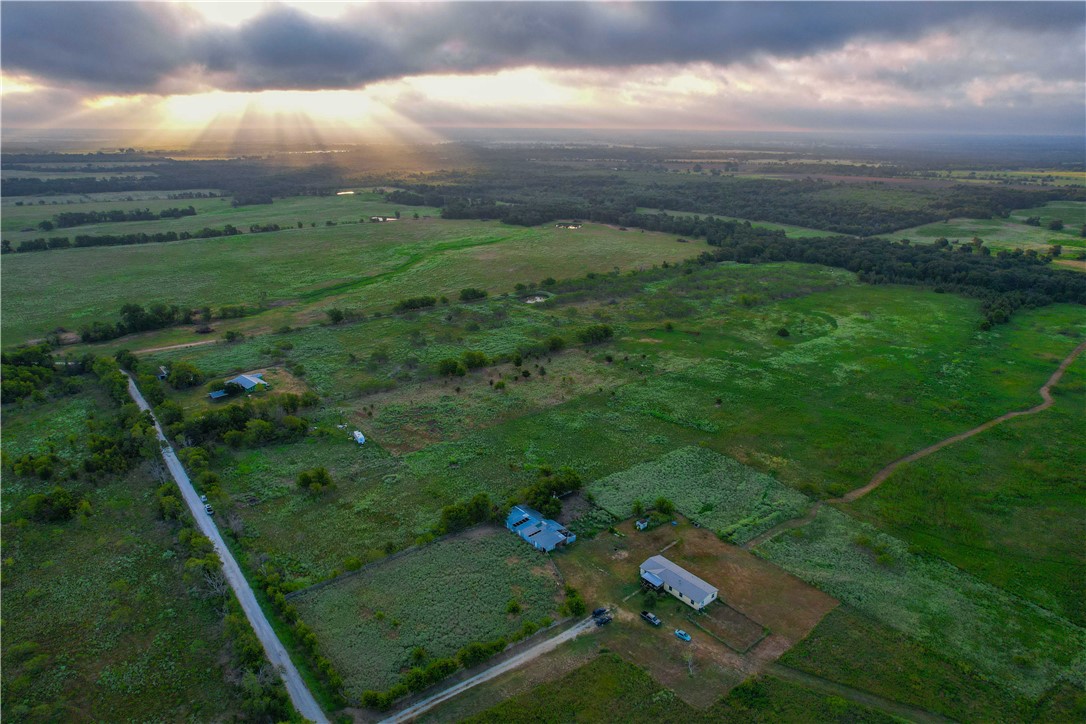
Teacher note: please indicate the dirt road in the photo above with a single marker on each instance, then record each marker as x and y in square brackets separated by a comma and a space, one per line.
[299, 693]
[880, 477]
[497, 670]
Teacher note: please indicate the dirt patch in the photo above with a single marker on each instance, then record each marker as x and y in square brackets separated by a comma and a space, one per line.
[763, 612]
[650, 340]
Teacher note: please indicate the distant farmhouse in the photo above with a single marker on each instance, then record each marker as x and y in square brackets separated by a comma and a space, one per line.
[544, 534]
[660, 574]
[567, 225]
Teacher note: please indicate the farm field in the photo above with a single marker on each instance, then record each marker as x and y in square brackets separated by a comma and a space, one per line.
[441, 598]
[366, 266]
[98, 622]
[1006, 505]
[812, 410]
[1027, 648]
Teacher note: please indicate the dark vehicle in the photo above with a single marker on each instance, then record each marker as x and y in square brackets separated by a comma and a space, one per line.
[650, 617]
[603, 620]
[599, 612]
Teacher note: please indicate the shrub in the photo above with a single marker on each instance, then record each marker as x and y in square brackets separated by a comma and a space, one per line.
[595, 334]
[471, 294]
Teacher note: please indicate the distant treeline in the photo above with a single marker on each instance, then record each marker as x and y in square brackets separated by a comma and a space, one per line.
[134, 318]
[68, 219]
[63, 242]
[1005, 281]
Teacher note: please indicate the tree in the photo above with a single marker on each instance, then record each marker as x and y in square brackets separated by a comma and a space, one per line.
[335, 315]
[595, 334]
[471, 293]
[555, 343]
[451, 366]
[474, 359]
[1055, 250]
[665, 506]
[1055, 225]
[126, 360]
[184, 375]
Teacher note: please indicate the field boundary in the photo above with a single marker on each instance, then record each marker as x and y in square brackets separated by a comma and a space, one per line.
[881, 476]
[692, 618]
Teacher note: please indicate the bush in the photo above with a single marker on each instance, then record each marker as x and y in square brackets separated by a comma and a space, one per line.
[471, 294]
[595, 334]
[451, 366]
[316, 479]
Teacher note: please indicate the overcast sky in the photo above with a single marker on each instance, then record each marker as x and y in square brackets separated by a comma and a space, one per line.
[957, 67]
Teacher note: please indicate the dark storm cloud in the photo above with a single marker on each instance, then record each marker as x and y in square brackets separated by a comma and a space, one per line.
[127, 47]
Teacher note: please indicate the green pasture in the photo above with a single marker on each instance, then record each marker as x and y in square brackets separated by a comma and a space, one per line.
[1008, 505]
[854, 649]
[368, 266]
[50, 204]
[440, 598]
[611, 689]
[98, 623]
[794, 232]
[1026, 648]
[866, 375]
[311, 211]
[1013, 232]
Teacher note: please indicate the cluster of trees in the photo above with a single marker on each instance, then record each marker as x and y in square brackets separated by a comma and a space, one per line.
[469, 360]
[26, 370]
[316, 480]
[134, 318]
[406, 305]
[422, 195]
[67, 219]
[250, 423]
[85, 240]
[595, 334]
[458, 516]
[543, 494]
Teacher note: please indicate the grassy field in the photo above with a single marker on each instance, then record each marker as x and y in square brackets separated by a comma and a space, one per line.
[1026, 648]
[1007, 505]
[853, 649]
[367, 266]
[731, 499]
[610, 689]
[794, 232]
[440, 598]
[98, 623]
[1013, 232]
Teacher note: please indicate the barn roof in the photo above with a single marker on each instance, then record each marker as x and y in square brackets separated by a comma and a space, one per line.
[249, 381]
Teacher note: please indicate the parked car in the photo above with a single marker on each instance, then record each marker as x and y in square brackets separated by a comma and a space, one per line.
[650, 617]
[203, 499]
[603, 620]
[599, 612]
[682, 635]
[208, 510]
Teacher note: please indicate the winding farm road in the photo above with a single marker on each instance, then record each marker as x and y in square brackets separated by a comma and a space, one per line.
[299, 693]
[880, 477]
[496, 670]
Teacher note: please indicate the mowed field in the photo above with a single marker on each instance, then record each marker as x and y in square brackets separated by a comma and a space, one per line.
[368, 266]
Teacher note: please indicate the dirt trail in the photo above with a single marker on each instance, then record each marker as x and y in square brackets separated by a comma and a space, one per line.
[168, 347]
[886, 472]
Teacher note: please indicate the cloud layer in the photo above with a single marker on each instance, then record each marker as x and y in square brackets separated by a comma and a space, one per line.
[1009, 54]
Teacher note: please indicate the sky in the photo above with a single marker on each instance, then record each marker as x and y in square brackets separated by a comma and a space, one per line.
[413, 70]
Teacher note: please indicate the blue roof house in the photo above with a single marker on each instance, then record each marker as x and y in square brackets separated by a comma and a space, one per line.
[248, 382]
[542, 533]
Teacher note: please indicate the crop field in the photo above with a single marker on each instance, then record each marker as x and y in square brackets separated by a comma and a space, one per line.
[1007, 505]
[98, 623]
[1027, 648]
[729, 498]
[440, 598]
[367, 266]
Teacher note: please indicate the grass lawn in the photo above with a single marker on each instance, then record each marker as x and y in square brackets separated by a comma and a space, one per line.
[442, 597]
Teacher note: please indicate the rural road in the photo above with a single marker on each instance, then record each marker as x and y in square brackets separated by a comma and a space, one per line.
[497, 670]
[881, 476]
[299, 693]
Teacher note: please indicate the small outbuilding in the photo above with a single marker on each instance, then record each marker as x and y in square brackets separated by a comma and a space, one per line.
[661, 574]
[542, 533]
[217, 394]
[359, 437]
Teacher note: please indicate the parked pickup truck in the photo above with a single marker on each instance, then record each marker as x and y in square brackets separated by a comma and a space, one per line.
[650, 617]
